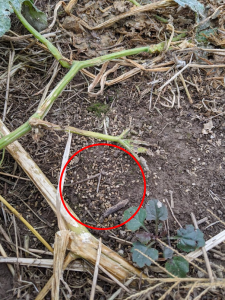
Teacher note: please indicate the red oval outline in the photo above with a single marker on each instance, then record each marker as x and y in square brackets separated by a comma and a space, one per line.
[90, 146]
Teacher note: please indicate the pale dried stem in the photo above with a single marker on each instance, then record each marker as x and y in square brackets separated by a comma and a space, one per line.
[56, 69]
[208, 267]
[70, 257]
[95, 277]
[61, 242]
[11, 59]
[216, 216]
[190, 291]
[168, 291]
[127, 283]
[211, 243]
[186, 89]
[136, 295]
[173, 214]
[3, 253]
[70, 6]
[82, 242]
[173, 77]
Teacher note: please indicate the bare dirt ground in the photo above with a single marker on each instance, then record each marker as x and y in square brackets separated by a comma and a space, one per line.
[186, 162]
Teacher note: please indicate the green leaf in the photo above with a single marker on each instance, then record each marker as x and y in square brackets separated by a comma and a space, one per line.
[156, 210]
[167, 253]
[144, 237]
[202, 36]
[178, 266]
[5, 12]
[190, 238]
[34, 16]
[141, 259]
[193, 4]
[138, 220]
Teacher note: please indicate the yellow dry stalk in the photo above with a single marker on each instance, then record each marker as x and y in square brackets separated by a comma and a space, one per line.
[30, 227]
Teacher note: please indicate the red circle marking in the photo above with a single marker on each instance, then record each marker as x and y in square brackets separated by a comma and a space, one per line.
[102, 144]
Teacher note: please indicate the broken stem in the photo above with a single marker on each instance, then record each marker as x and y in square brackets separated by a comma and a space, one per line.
[134, 2]
[126, 143]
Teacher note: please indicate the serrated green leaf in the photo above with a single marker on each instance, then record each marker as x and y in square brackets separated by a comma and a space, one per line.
[138, 220]
[144, 237]
[156, 211]
[178, 266]
[140, 257]
[34, 16]
[190, 238]
[167, 253]
[193, 4]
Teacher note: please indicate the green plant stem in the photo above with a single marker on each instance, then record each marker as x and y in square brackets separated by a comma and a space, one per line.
[163, 20]
[127, 144]
[74, 69]
[55, 52]
[3, 153]
[16, 134]
[134, 2]
[92, 62]
[145, 228]
[150, 49]
[43, 110]
[48, 102]
[151, 244]
[37, 122]
[156, 227]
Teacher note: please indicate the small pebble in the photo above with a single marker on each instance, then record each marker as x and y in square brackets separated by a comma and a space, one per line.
[201, 274]
[121, 252]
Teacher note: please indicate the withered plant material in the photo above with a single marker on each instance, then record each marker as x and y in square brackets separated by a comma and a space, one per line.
[70, 6]
[34, 231]
[115, 208]
[134, 11]
[81, 242]
[97, 79]
[60, 245]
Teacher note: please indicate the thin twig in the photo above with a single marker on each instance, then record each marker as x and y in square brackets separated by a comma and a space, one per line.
[14, 176]
[127, 283]
[173, 77]
[173, 214]
[208, 267]
[114, 278]
[11, 269]
[95, 277]
[66, 154]
[186, 89]
[11, 59]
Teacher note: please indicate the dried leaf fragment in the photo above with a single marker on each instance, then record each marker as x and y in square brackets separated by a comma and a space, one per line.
[208, 127]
